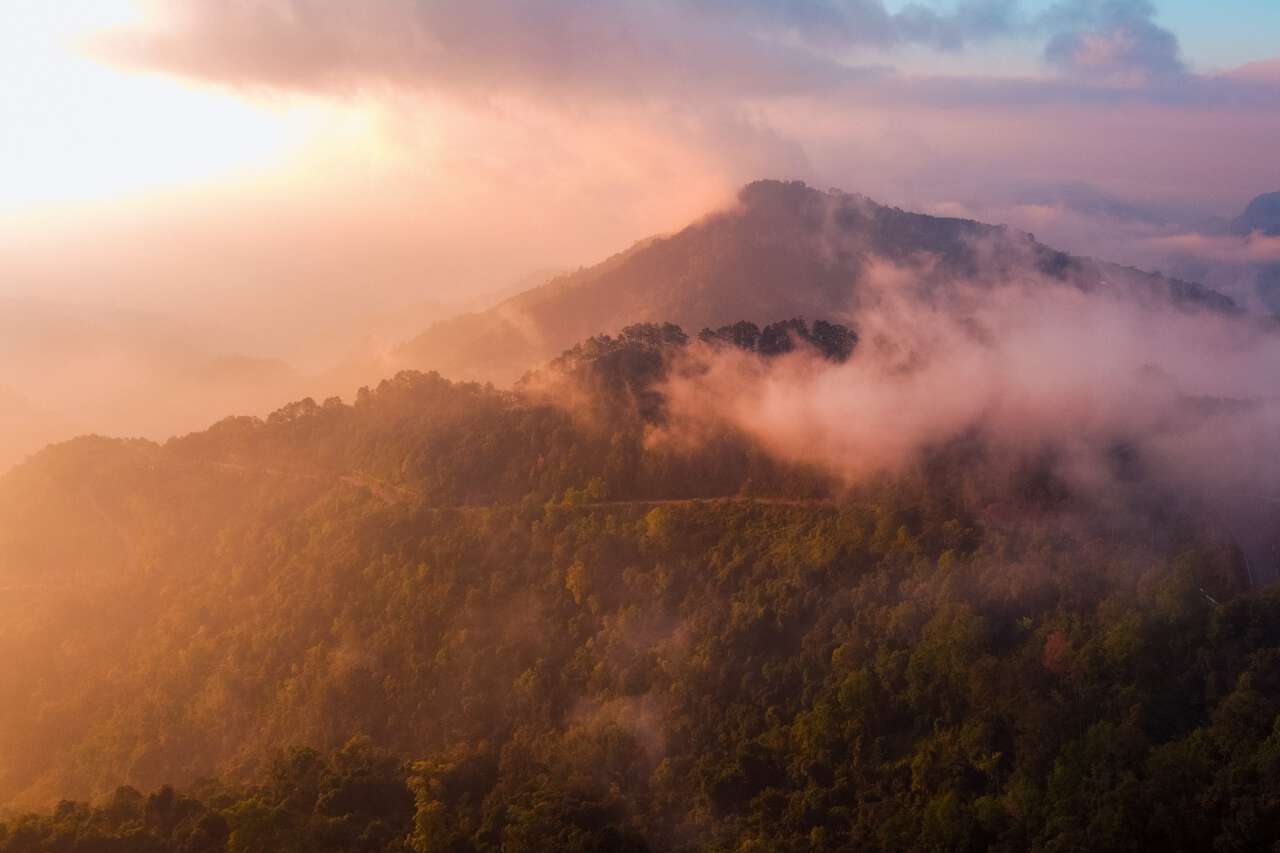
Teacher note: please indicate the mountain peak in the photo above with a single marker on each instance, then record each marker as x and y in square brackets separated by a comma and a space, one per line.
[784, 250]
[772, 192]
[1262, 214]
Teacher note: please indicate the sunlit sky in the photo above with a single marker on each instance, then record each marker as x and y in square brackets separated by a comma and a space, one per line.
[75, 129]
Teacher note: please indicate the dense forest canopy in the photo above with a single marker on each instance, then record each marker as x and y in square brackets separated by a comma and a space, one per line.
[451, 617]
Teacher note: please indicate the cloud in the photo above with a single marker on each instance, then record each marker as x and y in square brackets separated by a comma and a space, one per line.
[1256, 248]
[571, 52]
[628, 48]
[1023, 368]
[1113, 40]
[1257, 72]
[569, 47]
[841, 24]
[636, 47]
[973, 20]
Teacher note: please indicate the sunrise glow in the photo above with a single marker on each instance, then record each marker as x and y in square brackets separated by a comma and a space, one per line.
[78, 130]
[639, 426]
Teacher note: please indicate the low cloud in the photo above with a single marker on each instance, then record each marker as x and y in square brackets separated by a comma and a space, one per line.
[1256, 248]
[1028, 367]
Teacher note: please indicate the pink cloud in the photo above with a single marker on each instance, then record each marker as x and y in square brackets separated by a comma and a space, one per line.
[1256, 248]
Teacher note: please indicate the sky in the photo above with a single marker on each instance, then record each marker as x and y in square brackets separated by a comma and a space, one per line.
[1213, 36]
[290, 180]
[132, 115]
[1225, 34]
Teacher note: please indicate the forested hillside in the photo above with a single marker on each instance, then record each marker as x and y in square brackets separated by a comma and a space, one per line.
[449, 617]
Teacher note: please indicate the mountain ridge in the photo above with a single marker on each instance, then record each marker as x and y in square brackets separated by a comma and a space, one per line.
[783, 250]
[1262, 214]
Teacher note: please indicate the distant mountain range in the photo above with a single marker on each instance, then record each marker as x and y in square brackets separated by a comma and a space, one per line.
[68, 369]
[1240, 256]
[783, 250]
[1262, 216]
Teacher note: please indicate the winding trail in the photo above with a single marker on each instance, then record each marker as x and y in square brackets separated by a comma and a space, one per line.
[393, 495]
[388, 493]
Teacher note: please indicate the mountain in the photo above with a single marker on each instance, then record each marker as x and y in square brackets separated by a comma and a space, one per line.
[451, 617]
[21, 427]
[85, 369]
[1261, 215]
[784, 249]
[623, 605]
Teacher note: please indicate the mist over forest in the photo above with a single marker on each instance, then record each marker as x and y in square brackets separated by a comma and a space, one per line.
[650, 426]
[802, 584]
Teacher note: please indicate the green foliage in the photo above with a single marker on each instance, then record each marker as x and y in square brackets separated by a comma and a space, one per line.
[356, 799]
[833, 341]
[562, 638]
